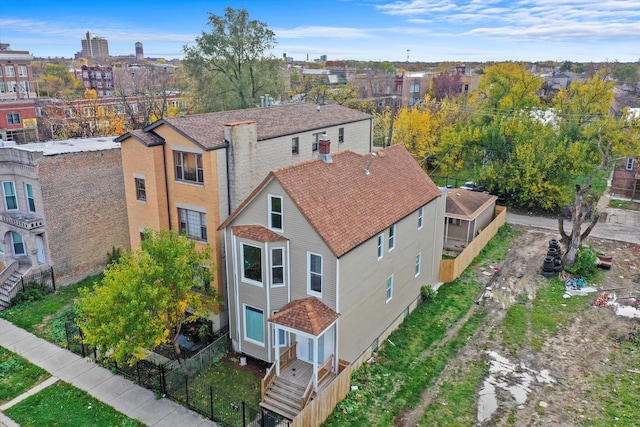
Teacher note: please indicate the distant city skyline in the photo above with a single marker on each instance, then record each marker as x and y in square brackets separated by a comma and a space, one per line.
[387, 30]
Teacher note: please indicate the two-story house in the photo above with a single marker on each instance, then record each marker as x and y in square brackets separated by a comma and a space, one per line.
[63, 209]
[326, 257]
[189, 173]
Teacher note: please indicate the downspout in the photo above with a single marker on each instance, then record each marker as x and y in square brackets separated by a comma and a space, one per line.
[166, 184]
[236, 290]
[335, 331]
[227, 144]
[267, 286]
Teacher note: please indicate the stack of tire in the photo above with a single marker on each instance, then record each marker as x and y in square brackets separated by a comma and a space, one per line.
[553, 261]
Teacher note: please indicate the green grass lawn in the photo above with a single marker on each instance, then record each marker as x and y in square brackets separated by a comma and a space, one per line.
[624, 204]
[17, 375]
[37, 317]
[62, 404]
[232, 381]
[412, 359]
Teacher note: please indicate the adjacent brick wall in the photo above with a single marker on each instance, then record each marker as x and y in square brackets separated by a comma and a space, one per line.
[85, 211]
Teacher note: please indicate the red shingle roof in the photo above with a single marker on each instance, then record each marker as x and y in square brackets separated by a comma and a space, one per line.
[257, 232]
[467, 204]
[207, 130]
[346, 206]
[309, 315]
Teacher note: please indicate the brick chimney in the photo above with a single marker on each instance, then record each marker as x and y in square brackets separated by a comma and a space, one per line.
[324, 149]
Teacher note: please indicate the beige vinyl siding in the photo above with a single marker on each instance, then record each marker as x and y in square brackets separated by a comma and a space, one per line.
[485, 217]
[366, 315]
[253, 160]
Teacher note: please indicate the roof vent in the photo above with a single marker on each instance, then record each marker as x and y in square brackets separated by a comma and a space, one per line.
[366, 170]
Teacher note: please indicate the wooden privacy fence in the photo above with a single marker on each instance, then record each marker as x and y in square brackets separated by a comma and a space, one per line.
[451, 269]
[325, 401]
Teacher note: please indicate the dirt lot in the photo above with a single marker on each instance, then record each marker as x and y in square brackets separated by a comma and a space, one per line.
[557, 384]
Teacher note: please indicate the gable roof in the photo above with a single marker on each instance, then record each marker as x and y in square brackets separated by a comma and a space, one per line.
[465, 204]
[207, 130]
[309, 315]
[149, 139]
[346, 206]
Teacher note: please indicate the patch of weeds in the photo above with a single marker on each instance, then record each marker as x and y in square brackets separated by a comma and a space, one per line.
[17, 375]
[624, 204]
[456, 400]
[32, 292]
[530, 324]
[585, 263]
[58, 332]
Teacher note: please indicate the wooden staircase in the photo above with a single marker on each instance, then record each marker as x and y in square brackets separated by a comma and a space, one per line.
[6, 289]
[283, 397]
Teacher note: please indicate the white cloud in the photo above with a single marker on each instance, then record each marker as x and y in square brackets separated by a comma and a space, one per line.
[322, 32]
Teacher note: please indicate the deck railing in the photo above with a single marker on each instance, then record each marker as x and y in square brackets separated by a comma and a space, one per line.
[286, 358]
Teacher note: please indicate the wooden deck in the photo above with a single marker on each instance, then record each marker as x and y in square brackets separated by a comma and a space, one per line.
[298, 372]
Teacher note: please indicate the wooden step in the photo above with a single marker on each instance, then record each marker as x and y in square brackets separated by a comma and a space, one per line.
[284, 399]
[279, 383]
[285, 411]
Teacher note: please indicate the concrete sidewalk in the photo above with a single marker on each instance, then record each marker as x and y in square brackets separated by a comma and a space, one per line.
[114, 390]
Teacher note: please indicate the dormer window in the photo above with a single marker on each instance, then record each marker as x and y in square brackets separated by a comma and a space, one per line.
[275, 213]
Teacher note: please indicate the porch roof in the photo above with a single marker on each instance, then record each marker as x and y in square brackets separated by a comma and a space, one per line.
[466, 204]
[308, 315]
[257, 232]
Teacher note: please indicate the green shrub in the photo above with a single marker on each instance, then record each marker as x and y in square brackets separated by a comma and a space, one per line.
[114, 255]
[428, 293]
[32, 292]
[585, 264]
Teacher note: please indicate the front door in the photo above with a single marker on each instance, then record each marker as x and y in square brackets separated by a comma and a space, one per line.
[305, 349]
[42, 258]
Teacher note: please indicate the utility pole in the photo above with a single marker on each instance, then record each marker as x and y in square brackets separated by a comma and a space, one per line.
[408, 50]
[393, 114]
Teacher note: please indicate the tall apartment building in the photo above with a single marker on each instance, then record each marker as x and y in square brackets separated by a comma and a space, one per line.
[95, 47]
[17, 94]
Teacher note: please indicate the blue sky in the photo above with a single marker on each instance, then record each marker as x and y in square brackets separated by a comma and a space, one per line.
[425, 30]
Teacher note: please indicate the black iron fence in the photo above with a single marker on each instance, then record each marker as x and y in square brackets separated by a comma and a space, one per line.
[42, 277]
[170, 380]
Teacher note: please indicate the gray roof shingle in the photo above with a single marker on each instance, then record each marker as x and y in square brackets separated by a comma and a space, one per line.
[207, 130]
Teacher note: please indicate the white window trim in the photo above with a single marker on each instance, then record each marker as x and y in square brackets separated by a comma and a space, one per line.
[13, 245]
[380, 246]
[418, 265]
[15, 195]
[271, 197]
[27, 198]
[630, 162]
[309, 290]
[420, 217]
[244, 315]
[271, 265]
[392, 237]
[245, 279]
[275, 342]
[388, 290]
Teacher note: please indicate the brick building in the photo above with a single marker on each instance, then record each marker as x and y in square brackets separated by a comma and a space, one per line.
[189, 173]
[63, 207]
[98, 78]
[17, 94]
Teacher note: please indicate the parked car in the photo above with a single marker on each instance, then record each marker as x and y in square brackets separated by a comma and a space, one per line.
[470, 185]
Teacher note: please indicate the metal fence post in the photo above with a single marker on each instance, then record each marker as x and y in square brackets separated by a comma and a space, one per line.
[244, 417]
[211, 401]
[186, 388]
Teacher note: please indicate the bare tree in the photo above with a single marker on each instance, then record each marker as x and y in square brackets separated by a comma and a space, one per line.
[144, 93]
